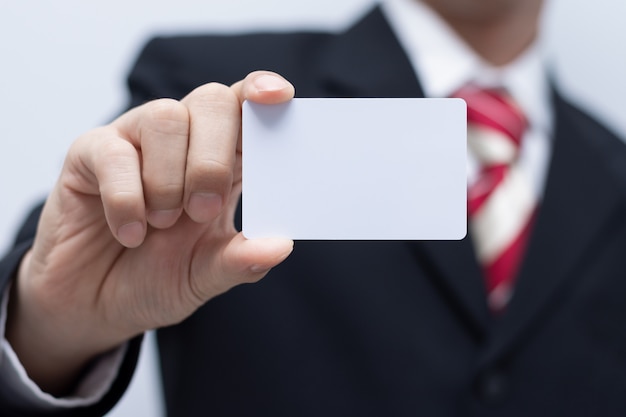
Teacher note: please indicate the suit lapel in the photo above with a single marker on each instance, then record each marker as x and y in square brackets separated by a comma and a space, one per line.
[453, 268]
[581, 197]
[368, 61]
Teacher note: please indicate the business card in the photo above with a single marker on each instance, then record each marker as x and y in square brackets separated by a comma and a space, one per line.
[355, 169]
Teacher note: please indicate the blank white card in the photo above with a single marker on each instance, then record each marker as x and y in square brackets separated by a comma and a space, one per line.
[354, 169]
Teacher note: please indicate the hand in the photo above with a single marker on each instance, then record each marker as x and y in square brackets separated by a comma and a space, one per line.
[139, 230]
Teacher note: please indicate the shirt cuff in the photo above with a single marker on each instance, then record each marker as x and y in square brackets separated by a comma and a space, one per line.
[24, 394]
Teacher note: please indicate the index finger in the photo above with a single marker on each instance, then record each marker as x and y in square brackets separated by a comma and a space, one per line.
[264, 87]
[214, 131]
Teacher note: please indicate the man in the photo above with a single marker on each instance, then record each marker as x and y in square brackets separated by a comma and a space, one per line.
[138, 233]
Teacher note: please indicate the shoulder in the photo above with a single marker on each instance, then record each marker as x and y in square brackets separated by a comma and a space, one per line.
[173, 66]
[363, 59]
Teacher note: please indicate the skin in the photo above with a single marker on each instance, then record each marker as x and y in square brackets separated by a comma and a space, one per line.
[138, 230]
[498, 30]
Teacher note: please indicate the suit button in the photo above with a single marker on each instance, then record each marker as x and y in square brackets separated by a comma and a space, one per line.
[492, 387]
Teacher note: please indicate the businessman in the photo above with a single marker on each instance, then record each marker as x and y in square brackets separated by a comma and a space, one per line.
[524, 317]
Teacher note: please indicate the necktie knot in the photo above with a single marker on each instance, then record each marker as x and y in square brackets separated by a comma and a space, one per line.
[495, 124]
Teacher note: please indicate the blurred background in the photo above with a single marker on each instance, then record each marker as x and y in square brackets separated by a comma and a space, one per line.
[64, 66]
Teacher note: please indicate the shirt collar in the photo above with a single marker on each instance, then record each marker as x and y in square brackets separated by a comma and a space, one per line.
[445, 62]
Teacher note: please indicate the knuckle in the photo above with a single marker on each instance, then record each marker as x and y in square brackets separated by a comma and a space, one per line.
[166, 116]
[112, 148]
[213, 95]
[161, 192]
[119, 201]
[168, 109]
[211, 170]
[114, 155]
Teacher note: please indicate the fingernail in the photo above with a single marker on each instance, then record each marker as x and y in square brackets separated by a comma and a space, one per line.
[163, 218]
[130, 234]
[257, 269]
[270, 83]
[204, 206]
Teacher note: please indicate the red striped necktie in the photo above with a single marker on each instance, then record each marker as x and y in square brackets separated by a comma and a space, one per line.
[501, 205]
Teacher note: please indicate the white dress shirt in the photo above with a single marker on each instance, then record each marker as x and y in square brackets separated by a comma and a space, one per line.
[444, 64]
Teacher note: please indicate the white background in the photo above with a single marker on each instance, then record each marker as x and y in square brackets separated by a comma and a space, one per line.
[62, 69]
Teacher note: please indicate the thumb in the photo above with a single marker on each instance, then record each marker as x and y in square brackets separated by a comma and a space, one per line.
[253, 258]
[241, 261]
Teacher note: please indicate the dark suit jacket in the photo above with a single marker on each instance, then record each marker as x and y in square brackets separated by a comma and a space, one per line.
[402, 328]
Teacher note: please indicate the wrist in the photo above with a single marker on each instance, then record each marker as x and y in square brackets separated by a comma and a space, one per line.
[52, 341]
